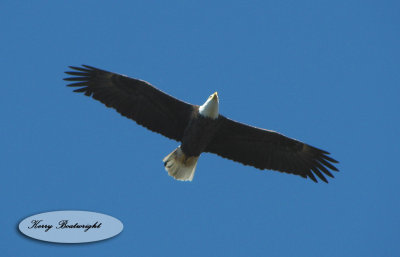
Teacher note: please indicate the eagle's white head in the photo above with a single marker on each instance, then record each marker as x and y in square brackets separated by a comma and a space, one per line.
[210, 108]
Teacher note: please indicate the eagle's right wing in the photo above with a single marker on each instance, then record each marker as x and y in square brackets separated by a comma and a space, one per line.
[135, 99]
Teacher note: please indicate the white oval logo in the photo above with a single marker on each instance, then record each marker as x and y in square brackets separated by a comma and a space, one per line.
[70, 226]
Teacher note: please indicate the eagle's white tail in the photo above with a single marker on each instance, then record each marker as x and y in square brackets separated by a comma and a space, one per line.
[179, 166]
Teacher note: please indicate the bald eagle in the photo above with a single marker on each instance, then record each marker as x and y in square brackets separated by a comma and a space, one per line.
[199, 128]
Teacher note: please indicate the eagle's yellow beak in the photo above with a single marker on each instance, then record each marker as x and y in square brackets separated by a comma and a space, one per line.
[215, 95]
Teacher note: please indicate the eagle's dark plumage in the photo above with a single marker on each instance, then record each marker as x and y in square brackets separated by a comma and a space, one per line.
[175, 119]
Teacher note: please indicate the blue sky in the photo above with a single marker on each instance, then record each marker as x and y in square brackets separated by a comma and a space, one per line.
[324, 72]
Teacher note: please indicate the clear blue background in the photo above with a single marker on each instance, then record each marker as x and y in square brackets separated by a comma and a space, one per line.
[324, 72]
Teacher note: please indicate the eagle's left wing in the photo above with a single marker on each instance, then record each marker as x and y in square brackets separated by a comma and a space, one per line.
[265, 149]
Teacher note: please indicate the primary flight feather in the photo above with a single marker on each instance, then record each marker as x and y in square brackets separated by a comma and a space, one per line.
[199, 128]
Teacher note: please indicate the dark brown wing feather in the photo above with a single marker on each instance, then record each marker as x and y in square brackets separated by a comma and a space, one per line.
[266, 149]
[133, 98]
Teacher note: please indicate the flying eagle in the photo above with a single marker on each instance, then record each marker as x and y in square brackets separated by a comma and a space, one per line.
[199, 128]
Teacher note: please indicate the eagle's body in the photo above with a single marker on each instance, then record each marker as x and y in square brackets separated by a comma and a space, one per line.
[200, 128]
[198, 134]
